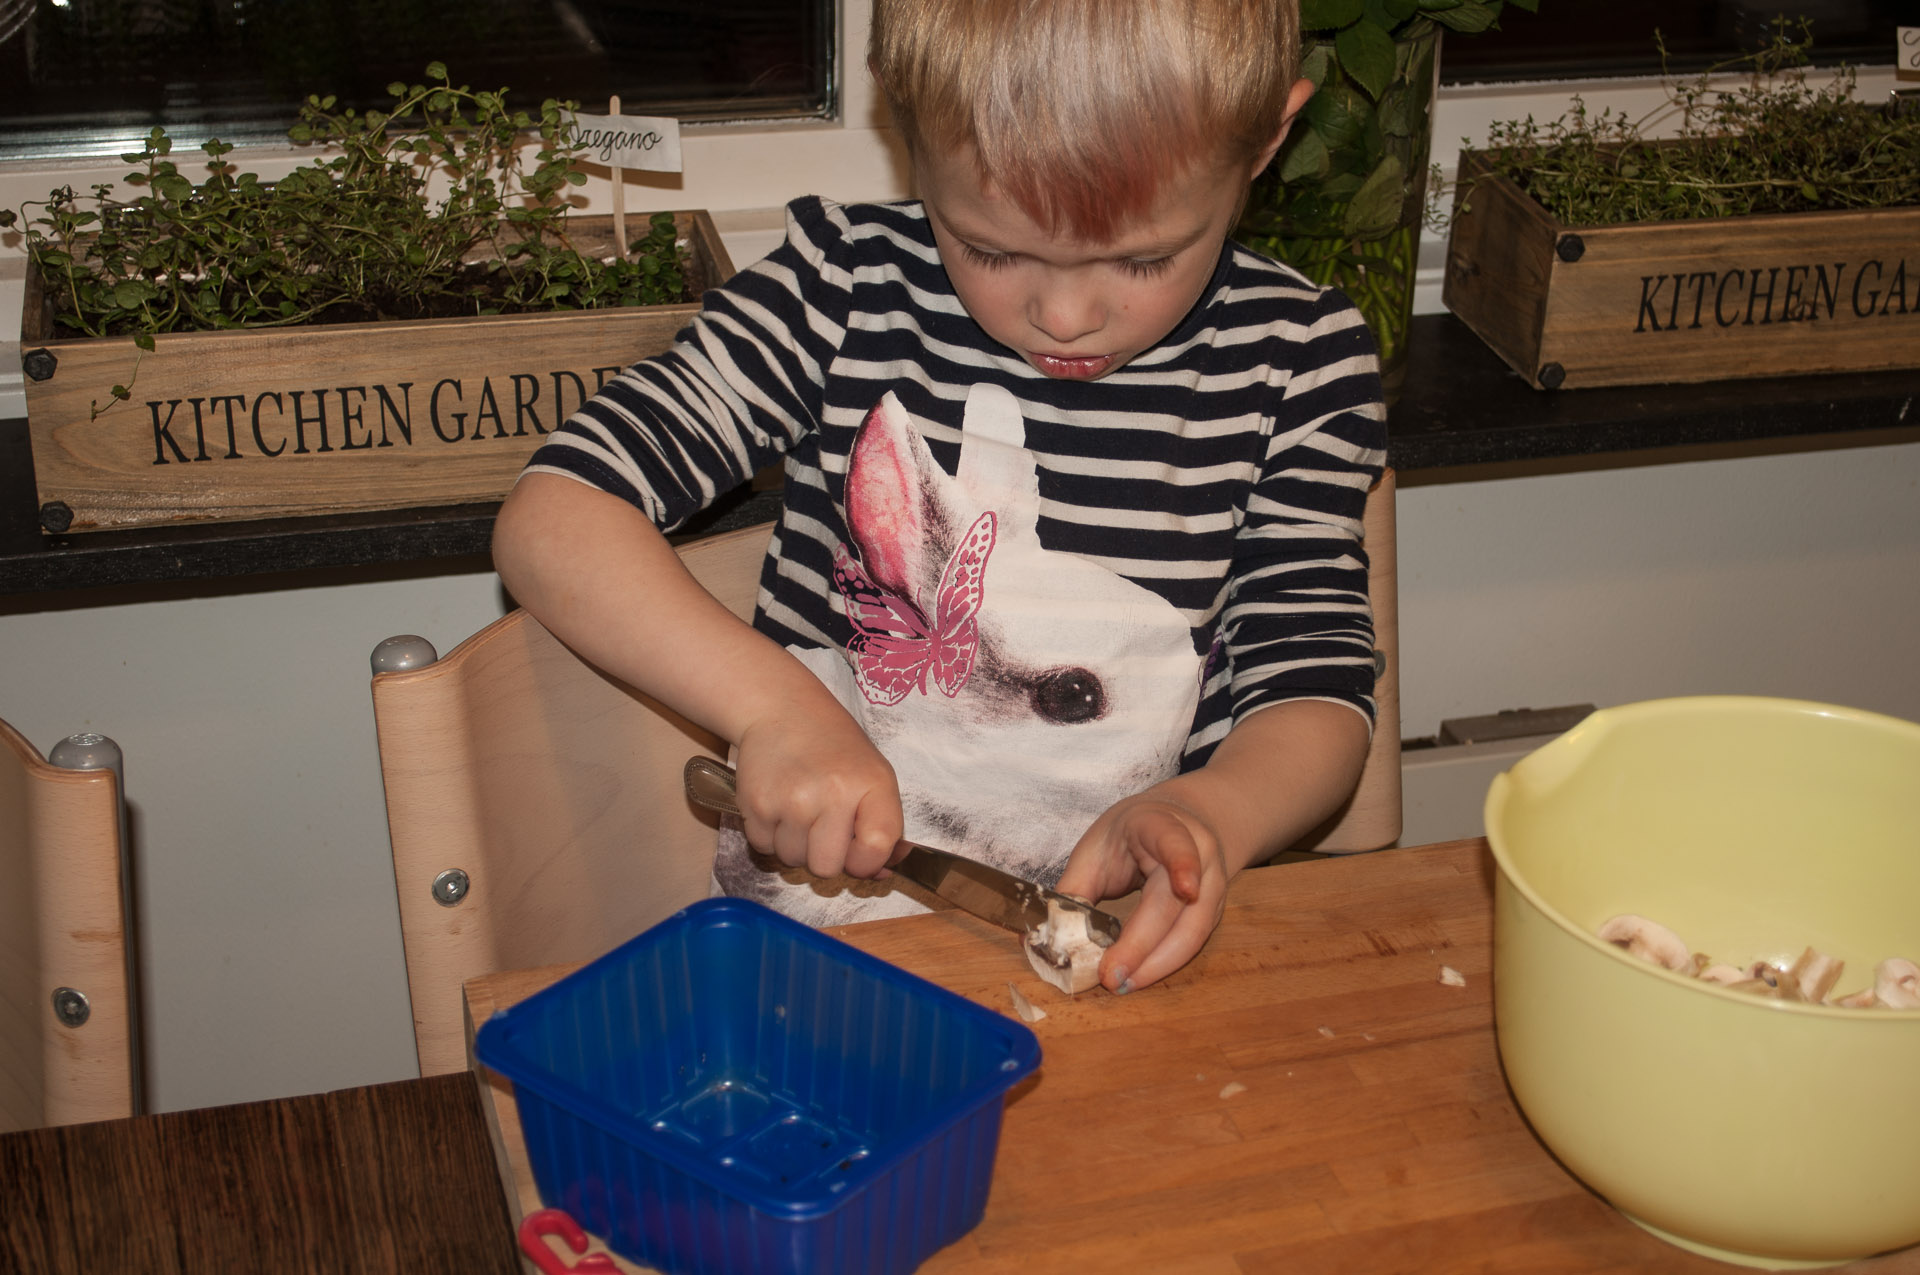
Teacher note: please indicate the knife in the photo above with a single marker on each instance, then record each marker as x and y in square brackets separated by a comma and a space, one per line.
[990, 894]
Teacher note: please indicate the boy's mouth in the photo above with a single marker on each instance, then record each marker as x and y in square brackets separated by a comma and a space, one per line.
[1073, 369]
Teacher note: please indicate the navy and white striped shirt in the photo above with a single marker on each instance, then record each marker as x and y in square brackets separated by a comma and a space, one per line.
[1225, 469]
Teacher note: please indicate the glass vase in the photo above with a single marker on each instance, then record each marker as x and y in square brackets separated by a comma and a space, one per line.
[1345, 199]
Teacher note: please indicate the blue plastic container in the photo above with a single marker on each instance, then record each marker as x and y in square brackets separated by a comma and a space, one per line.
[733, 1093]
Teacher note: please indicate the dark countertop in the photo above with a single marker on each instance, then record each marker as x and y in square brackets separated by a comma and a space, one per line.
[1463, 407]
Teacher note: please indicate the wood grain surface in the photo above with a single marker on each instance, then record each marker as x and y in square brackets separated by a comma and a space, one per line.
[1307, 1096]
[63, 923]
[391, 1179]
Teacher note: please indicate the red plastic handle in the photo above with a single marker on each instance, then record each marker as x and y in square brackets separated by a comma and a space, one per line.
[556, 1222]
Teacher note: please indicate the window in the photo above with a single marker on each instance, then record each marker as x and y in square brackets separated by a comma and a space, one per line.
[1570, 39]
[87, 77]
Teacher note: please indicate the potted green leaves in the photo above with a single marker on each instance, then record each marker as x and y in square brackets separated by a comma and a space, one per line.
[1345, 199]
[396, 323]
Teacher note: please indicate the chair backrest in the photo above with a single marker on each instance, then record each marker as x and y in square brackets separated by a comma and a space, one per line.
[537, 811]
[67, 1041]
[535, 805]
[1370, 818]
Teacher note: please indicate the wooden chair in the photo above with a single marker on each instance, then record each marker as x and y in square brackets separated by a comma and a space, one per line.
[1370, 819]
[534, 804]
[536, 809]
[68, 1045]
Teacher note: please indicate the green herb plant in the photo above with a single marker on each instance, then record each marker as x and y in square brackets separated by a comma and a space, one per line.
[449, 203]
[1344, 200]
[1775, 144]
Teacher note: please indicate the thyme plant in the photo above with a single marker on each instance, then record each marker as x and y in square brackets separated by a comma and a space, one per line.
[431, 208]
[1775, 144]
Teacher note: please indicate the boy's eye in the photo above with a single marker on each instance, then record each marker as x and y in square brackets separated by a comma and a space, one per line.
[984, 259]
[1145, 268]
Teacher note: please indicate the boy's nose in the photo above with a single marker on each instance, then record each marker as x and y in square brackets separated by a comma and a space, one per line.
[1066, 313]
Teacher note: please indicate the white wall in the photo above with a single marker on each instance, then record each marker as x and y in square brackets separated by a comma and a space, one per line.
[1795, 575]
[270, 944]
[269, 932]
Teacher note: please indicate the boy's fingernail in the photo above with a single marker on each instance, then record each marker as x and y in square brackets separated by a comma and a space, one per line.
[1121, 983]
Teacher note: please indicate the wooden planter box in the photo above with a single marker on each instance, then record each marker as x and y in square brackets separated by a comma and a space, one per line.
[275, 422]
[1575, 306]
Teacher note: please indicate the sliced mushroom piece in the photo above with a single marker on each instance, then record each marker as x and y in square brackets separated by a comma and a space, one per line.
[1814, 974]
[1896, 983]
[1028, 1011]
[1862, 999]
[1723, 973]
[1648, 940]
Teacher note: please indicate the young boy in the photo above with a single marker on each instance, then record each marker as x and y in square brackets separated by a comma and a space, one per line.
[1073, 487]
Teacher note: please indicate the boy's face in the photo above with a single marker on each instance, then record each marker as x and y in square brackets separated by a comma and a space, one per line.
[1075, 309]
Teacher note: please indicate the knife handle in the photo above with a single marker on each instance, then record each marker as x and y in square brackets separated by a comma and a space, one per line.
[711, 784]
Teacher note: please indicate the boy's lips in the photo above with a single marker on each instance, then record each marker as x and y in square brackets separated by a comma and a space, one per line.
[1078, 368]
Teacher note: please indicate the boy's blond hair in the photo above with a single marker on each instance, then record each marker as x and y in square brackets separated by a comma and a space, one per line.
[1078, 109]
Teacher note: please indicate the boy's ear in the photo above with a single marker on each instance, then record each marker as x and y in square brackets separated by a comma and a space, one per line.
[1296, 99]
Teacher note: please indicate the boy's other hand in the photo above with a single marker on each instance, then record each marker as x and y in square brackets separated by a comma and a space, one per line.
[815, 794]
[1173, 856]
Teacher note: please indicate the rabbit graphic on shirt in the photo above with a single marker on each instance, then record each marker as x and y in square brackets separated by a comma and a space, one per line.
[1017, 691]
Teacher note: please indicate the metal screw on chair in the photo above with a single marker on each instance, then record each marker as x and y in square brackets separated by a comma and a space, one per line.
[407, 651]
[86, 751]
[70, 1006]
[1379, 662]
[450, 887]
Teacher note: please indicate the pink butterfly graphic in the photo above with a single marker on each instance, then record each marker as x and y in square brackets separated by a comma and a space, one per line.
[894, 647]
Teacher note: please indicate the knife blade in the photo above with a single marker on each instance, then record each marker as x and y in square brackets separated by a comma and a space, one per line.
[1008, 901]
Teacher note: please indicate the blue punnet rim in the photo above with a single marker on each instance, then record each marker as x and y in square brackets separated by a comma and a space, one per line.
[497, 1045]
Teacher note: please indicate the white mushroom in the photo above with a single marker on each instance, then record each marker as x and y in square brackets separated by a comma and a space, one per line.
[1815, 974]
[1896, 983]
[1722, 973]
[1063, 951]
[1648, 940]
[1028, 1011]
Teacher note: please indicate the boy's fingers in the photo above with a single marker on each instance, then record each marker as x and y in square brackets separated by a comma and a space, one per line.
[876, 829]
[1083, 877]
[1165, 838]
[1163, 934]
[1142, 933]
[828, 846]
[1181, 943]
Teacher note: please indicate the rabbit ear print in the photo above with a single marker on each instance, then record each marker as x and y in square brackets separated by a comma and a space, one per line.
[889, 477]
[996, 469]
[899, 642]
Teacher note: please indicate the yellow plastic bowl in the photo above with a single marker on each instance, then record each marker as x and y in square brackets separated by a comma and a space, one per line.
[1756, 1131]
